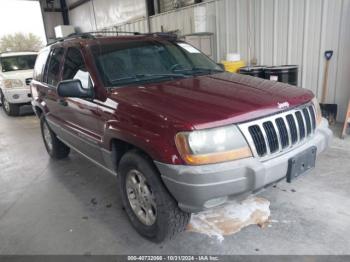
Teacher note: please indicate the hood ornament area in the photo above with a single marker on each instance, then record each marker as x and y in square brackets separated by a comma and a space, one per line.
[283, 105]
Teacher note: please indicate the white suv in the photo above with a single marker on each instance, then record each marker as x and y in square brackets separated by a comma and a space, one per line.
[16, 72]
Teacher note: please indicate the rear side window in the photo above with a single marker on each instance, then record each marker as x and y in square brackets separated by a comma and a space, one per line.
[40, 64]
[53, 69]
[74, 67]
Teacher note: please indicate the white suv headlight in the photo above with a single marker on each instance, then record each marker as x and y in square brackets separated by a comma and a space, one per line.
[12, 83]
[212, 145]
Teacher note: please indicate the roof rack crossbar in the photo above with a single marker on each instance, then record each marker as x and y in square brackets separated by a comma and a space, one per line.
[160, 34]
[114, 32]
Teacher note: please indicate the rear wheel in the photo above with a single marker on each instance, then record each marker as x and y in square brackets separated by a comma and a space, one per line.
[53, 145]
[150, 208]
[10, 109]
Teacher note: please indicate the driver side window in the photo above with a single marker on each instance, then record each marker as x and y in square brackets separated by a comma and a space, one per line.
[74, 68]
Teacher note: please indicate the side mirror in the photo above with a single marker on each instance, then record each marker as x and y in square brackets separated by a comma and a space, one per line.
[221, 66]
[73, 88]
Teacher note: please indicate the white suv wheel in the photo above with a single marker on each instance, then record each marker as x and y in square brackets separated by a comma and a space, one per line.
[6, 105]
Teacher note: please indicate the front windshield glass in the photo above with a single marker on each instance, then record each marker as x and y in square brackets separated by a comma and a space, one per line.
[128, 62]
[14, 63]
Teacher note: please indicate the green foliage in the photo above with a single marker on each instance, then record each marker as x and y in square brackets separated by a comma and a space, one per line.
[20, 42]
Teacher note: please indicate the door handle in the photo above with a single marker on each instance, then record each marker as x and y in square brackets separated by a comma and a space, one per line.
[62, 102]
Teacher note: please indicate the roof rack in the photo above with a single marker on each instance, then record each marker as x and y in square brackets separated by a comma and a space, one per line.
[93, 34]
[71, 36]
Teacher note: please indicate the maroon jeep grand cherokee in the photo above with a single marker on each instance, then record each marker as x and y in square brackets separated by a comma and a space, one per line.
[181, 134]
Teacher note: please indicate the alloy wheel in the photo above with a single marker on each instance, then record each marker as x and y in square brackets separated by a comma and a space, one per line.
[47, 136]
[141, 197]
[6, 105]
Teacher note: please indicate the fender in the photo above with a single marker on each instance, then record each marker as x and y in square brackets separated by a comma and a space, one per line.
[155, 144]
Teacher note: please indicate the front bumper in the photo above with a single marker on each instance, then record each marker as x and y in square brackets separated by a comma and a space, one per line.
[17, 95]
[200, 187]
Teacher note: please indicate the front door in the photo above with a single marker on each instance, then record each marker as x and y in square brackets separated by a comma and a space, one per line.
[81, 116]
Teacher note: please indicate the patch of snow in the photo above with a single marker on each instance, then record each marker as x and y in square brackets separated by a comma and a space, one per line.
[231, 218]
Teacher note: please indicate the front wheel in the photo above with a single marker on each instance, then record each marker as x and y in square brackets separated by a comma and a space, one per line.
[10, 109]
[56, 148]
[150, 208]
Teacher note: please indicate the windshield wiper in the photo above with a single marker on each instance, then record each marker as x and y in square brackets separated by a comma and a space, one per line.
[143, 77]
[160, 75]
[123, 79]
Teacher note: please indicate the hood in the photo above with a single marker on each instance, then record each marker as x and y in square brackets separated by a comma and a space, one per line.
[213, 100]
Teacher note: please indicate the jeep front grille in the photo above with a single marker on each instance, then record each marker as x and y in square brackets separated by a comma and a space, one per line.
[278, 133]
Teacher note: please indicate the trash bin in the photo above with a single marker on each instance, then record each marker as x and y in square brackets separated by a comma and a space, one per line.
[284, 73]
[257, 71]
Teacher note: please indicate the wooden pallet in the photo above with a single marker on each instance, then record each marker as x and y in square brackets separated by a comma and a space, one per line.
[346, 122]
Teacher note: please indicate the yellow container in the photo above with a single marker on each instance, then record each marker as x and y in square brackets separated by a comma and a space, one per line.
[233, 66]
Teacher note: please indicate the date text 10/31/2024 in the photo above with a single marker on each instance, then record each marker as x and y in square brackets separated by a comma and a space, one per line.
[173, 258]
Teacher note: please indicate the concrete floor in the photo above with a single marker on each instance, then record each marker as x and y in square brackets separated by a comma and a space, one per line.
[72, 207]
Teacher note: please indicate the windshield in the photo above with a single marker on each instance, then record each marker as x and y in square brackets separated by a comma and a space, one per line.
[138, 61]
[14, 63]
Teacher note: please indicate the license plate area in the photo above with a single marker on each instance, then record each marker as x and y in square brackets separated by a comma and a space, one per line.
[301, 163]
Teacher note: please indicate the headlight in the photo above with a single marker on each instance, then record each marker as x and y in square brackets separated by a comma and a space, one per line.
[11, 83]
[318, 111]
[212, 145]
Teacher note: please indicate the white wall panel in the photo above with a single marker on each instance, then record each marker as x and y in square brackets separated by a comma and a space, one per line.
[242, 29]
[181, 20]
[267, 29]
[82, 18]
[311, 44]
[330, 37]
[136, 26]
[281, 13]
[296, 34]
[111, 12]
[95, 15]
[51, 20]
[342, 75]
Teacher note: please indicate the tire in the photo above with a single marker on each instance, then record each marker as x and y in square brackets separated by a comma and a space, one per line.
[169, 219]
[54, 147]
[10, 109]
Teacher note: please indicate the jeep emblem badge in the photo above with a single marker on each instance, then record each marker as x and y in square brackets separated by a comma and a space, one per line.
[283, 105]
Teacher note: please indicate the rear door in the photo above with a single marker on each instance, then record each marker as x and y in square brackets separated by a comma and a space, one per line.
[38, 88]
[52, 76]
